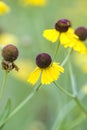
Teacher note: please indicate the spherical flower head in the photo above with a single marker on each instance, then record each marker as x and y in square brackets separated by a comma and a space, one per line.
[43, 60]
[10, 53]
[81, 32]
[62, 25]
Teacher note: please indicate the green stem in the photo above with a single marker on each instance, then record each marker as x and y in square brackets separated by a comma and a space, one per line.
[3, 84]
[76, 99]
[72, 80]
[74, 90]
[20, 105]
[67, 57]
[58, 45]
[62, 116]
[63, 90]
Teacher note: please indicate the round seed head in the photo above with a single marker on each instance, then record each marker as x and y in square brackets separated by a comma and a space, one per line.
[10, 53]
[81, 32]
[43, 60]
[62, 25]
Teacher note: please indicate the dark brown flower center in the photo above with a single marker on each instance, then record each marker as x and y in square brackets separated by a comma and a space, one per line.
[43, 60]
[10, 53]
[62, 25]
[81, 32]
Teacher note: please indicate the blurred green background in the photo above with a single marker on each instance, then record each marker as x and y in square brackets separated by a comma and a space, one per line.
[27, 24]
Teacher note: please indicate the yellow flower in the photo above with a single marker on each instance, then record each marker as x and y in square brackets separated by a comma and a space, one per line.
[48, 71]
[34, 2]
[79, 45]
[3, 8]
[66, 36]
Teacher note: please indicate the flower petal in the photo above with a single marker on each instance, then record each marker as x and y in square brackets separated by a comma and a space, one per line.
[51, 35]
[51, 73]
[34, 76]
[80, 47]
[45, 78]
[68, 38]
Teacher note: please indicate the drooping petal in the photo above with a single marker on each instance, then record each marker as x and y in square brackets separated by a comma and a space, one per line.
[34, 76]
[45, 77]
[3, 8]
[57, 69]
[51, 35]
[80, 47]
[68, 38]
[51, 73]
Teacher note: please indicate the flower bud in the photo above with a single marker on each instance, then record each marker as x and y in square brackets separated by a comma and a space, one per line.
[62, 25]
[10, 53]
[81, 32]
[43, 60]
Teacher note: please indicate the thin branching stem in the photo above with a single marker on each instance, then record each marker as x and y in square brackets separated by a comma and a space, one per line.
[3, 84]
[21, 105]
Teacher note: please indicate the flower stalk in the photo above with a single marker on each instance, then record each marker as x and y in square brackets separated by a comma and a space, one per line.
[58, 45]
[3, 84]
[21, 105]
[76, 99]
[72, 96]
[67, 57]
[63, 90]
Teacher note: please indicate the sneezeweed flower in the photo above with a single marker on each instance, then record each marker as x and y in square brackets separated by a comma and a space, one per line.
[66, 36]
[61, 31]
[48, 71]
[4, 8]
[9, 54]
[79, 45]
[34, 2]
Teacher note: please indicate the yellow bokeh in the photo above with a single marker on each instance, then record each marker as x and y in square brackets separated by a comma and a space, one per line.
[6, 38]
[25, 67]
[4, 8]
[34, 2]
[84, 89]
[81, 61]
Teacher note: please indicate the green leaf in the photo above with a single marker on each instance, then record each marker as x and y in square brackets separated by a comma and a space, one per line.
[5, 113]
